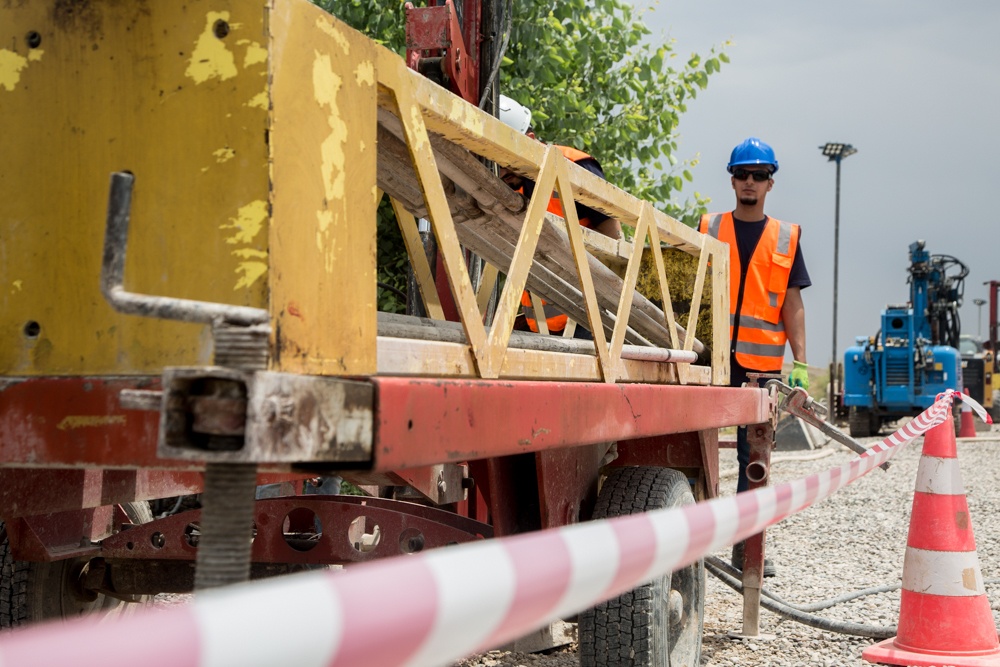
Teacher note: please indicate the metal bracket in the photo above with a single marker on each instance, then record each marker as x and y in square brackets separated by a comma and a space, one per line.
[798, 403]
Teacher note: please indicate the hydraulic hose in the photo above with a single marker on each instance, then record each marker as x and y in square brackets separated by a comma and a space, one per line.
[715, 566]
[801, 613]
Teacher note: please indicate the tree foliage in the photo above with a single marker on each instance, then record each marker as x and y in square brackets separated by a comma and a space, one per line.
[593, 80]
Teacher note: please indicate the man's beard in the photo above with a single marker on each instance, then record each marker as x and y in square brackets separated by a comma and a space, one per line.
[748, 200]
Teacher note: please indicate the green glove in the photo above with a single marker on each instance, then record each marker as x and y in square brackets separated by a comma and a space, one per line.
[799, 376]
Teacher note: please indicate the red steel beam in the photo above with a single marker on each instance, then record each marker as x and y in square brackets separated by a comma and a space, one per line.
[421, 421]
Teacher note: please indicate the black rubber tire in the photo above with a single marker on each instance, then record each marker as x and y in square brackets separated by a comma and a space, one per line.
[32, 591]
[859, 422]
[635, 629]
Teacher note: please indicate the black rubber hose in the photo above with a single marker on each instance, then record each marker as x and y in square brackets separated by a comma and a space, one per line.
[813, 621]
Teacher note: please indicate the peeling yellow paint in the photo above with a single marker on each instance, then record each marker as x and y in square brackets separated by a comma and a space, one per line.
[224, 155]
[463, 114]
[338, 36]
[35, 55]
[364, 73]
[242, 229]
[71, 422]
[326, 86]
[247, 223]
[259, 100]
[252, 268]
[11, 65]
[17, 286]
[210, 58]
[418, 127]
[255, 54]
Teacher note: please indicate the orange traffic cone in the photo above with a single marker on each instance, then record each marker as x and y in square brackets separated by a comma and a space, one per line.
[944, 614]
[968, 426]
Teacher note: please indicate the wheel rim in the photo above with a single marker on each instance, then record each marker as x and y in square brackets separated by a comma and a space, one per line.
[684, 600]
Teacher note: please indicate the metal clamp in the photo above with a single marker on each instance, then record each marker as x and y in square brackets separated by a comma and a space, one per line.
[798, 403]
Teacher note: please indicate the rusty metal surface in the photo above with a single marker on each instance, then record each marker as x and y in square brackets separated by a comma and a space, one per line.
[77, 422]
[441, 484]
[284, 417]
[59, 535]
[567, 483]
[421, 421]
[26, 492]
[697, 451]
[349, 526]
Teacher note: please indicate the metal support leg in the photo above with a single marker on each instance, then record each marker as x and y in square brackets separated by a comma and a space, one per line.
[761, 438]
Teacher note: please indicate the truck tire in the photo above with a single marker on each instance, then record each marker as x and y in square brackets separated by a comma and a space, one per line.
[34, 591]
[859, 422]
[659, 623]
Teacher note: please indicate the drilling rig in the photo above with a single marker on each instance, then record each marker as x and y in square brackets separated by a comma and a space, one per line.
[914, 355]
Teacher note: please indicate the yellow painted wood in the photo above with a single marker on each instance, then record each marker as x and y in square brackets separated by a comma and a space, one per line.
[565, 190]
[487, 282]
[699, 284]
[323, 150]
[405, 357]
[450, 251]
[524, 251]
[422, 272]
[628, 289]
[144, 87]
[720, 311]
[538, 306]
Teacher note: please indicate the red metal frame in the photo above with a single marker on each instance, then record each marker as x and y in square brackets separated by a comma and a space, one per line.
[403, 528]
[434, 32]
[426, 421]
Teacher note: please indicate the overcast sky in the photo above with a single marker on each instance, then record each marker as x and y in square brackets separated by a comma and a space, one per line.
[914, 86]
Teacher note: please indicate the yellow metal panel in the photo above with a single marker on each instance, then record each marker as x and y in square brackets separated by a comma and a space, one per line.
[323, 297]
[176, 93]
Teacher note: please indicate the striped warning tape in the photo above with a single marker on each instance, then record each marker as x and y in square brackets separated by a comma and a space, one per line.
[433, 608]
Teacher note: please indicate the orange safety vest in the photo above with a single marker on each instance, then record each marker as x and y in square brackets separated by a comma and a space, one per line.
[757, 328]
[554, 318]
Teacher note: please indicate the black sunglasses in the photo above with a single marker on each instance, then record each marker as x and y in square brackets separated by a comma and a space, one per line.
[744, 174]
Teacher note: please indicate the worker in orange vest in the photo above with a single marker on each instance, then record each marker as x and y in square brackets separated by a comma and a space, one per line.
[767, 273]
[518, 116]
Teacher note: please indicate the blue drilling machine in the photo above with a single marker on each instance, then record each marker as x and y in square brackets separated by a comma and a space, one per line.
[914, 356]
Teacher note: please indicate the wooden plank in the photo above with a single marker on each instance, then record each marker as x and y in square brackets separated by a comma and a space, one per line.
[582, 261]
[510, 298]
[720, 311]
[418, 260]
[439, 211]
[407, 357]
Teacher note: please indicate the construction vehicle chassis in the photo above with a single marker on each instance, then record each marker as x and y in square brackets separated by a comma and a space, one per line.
[213, 312]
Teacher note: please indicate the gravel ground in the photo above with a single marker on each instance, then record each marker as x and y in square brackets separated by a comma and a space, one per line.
[853, 540]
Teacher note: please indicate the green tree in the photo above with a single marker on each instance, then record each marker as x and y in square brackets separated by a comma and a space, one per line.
[593, 80]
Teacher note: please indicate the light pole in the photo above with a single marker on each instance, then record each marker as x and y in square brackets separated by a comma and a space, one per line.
[979, 325]
[836, 152]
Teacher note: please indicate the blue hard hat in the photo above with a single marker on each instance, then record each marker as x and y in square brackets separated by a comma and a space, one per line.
[752, 151]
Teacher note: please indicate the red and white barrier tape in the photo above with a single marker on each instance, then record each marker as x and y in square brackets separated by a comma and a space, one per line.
[436, 607]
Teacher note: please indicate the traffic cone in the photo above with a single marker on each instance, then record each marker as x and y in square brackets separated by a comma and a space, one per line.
[944, 614]
[968, 426]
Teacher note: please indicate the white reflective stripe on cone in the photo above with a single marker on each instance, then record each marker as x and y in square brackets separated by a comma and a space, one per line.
[939, 476]
[947, 573]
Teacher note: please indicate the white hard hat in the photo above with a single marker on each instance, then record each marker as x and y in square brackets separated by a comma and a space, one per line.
[514, 114]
